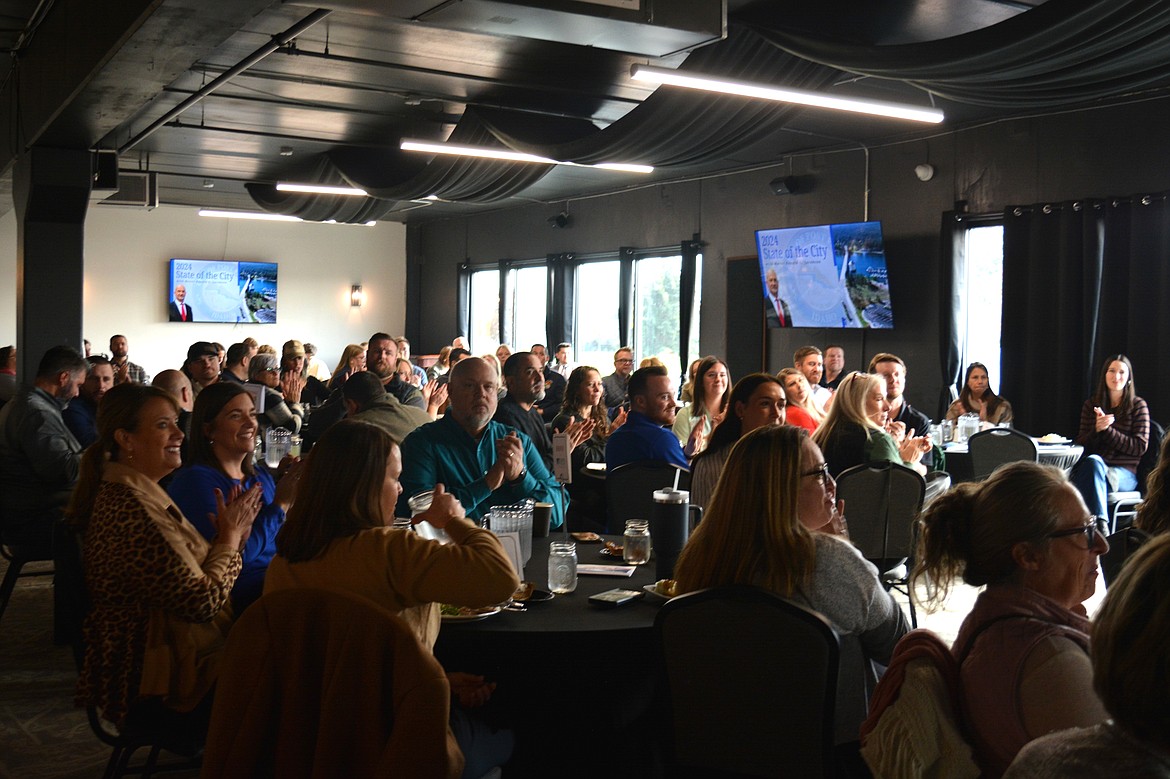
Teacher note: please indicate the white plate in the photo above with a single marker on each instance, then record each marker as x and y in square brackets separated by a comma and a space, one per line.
[493, 611]
[652, 591]
[1053, 441]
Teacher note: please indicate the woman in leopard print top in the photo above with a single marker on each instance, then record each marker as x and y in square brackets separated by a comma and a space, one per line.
[158, 591]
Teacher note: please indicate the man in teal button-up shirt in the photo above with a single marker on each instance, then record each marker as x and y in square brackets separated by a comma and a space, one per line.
[481, 462]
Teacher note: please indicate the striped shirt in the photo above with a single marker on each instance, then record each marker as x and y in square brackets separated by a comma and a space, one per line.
[1123, 443]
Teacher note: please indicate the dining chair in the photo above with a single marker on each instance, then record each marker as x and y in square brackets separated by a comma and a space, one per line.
[179, 738]
[997, 446]
[323, 684]
[1122, 507]
[750, 683]
[629, 490]
[882, 504]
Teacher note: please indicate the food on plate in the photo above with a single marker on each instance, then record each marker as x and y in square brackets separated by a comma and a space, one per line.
[524, 592]
[586, 537]
[666, 587]
[447, 610]
[613, 549]
[1052, 438]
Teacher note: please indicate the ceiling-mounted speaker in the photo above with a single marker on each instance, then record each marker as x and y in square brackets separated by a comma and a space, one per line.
[785, 185]
[105, 171]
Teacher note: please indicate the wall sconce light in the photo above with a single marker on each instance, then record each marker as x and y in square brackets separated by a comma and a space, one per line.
[357, 298]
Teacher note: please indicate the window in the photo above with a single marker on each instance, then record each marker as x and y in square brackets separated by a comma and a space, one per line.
[526, 298]
[597, 332]
[596, 314]
[485, 311]
[527, 304]
[656, 312]
[984, 284]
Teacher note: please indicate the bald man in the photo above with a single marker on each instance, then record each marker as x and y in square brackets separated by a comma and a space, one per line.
[481, 462]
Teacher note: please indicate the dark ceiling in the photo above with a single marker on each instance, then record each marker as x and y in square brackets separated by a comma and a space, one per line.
[365, 73]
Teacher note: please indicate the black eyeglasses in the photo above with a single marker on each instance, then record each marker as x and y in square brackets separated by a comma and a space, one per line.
[1095, 528]
[821, 472]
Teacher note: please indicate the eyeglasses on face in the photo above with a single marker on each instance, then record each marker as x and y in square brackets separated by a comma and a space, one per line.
[821, 472]
[1094, 528]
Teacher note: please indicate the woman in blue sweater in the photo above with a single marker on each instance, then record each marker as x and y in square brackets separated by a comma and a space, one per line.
[223, 439]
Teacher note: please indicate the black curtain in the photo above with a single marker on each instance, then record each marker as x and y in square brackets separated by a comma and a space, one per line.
[504, 331]
[463, 301]
[1052, 258]
[686, 298]
[626, 296]
[1135, 289]
[562, 281]
[952, 316]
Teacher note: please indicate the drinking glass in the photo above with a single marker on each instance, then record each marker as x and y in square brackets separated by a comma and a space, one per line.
[636, 542]
[562, 567]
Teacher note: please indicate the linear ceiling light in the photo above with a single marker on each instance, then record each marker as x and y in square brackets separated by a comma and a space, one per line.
[319, 189]
[676, 78]
[412, 144]
[249, 215]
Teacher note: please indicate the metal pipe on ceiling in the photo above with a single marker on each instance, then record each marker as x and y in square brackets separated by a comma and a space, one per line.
[277, 41]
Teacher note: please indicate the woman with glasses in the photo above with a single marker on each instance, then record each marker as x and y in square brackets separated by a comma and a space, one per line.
[765, 526]
[1026, 536]
[1129, 671]
[280, 409]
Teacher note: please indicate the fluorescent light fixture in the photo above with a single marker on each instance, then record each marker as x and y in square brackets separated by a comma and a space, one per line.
[319, 189]
[677, 78]
[370, 223]
[484, 152]
[249, 215]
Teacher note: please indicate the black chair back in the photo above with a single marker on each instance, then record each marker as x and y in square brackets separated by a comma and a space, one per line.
[1000, 445]
[629, 490]
[751, 684]
[882, 503]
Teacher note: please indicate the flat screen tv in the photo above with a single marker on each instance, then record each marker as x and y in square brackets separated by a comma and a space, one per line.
[222, 291]
[825, 276]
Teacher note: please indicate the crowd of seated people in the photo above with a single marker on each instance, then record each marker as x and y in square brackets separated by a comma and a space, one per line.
[211, 539]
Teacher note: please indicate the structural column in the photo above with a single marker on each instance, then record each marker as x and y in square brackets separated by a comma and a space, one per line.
[51, 193]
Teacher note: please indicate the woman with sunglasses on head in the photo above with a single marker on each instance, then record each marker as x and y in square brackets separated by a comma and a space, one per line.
[1023, 651]
[767, 525]
[756, 400]
[1115, 431]
[854, 431]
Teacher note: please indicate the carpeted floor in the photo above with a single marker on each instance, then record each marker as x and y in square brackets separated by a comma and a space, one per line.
[42, 734]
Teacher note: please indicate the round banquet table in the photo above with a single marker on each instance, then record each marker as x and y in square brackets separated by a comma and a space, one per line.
[1063, 456]
[575, 681]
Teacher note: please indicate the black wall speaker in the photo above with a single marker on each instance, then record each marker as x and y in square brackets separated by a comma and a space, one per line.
[105, 170]
[785, 185]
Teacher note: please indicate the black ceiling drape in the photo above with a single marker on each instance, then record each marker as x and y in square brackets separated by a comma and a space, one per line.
[670, 128]
[1058, 53]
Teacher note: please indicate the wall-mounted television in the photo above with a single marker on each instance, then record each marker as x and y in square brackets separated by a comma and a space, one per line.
[825, 276]
[222, 291]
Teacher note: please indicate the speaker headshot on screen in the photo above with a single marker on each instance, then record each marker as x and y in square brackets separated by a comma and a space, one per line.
[775, 307]
[179, 310]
